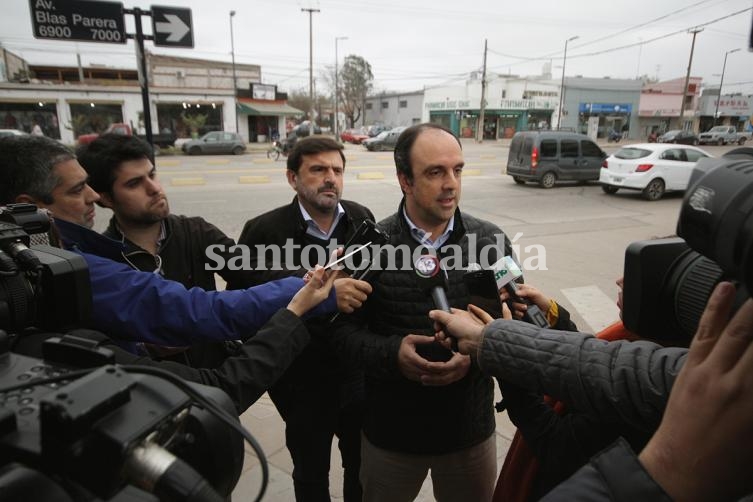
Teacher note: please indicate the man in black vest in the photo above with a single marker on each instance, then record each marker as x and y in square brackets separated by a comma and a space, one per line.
[427, 408]
[319, 396]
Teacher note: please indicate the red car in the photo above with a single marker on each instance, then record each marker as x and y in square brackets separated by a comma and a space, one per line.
[354, 136]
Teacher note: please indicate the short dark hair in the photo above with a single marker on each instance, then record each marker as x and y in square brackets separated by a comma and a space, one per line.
[405, 144]
[26, 165]
[311, 145]
[102, 157]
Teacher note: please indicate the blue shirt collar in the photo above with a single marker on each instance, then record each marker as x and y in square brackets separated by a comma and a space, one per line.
[313, 229]
[424, 238]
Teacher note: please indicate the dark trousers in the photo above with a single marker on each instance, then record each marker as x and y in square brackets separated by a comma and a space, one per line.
[314, 414]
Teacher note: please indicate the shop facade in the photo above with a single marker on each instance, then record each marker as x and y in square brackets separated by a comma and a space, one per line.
[511, 104]
[734, 110]
[595, 105]
[660, 104]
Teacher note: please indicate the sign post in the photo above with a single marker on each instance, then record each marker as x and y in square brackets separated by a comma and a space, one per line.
[172, 27]
[101, 21]
[78, 20]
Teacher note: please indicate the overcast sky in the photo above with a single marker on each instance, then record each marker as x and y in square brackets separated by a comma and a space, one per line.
[412, 44]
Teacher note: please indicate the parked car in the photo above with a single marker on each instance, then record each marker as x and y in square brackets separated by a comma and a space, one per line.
[374, 130]
[355, 136]
[723, 135]
[678, 136]
[549, 156]
[653, 168]
[385, 140]
[11, 132]
[216, 142]
[303, 129]
[159, 140]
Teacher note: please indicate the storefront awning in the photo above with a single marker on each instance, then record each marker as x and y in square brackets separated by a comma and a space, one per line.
[276, 109]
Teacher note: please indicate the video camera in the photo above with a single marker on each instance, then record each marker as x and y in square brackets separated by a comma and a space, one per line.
[103, 433]
[668, 281]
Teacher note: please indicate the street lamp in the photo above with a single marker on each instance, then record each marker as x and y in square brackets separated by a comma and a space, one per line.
[337, 87]
[311, 68]
[562, 83]
[721, 83]
[235, 83]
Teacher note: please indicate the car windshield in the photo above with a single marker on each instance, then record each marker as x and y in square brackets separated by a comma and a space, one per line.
[632, 153]
[382, 134]
[672, 133]
[718, 129]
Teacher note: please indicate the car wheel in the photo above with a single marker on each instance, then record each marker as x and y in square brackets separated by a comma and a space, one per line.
[548, 180]
[238, 150]
[741, 141]
[654, 190]
[609, 189]
[194, 150]
[720, 142]
[519, 180]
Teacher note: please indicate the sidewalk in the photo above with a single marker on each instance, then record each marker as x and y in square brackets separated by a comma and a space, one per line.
[265, 424]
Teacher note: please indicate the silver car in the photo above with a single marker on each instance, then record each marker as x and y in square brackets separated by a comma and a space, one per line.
[216, 142]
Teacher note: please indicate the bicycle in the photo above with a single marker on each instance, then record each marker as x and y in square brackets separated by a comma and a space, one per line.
[275, 151]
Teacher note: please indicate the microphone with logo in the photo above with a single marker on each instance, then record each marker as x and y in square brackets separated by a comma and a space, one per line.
[505, 272]
[432, 279]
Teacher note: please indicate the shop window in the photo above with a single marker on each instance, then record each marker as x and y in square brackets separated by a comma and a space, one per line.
[23, 116]
[87, 118]
[189, 121]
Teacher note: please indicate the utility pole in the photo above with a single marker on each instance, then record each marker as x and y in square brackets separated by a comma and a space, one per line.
[480, 127]
[687, 79]
[235, 81]
[311, 68]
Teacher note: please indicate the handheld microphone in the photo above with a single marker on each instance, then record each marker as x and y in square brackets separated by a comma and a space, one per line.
[505, 272]
[432, 279]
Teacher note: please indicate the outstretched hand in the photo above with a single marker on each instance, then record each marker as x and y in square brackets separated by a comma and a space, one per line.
[315, 291]
[702, 448]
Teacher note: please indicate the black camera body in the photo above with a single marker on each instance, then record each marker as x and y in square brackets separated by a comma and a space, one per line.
[668, 281]
[102, 433]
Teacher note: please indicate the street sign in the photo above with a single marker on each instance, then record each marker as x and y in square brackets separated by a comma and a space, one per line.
[171, 26]
[78, 20]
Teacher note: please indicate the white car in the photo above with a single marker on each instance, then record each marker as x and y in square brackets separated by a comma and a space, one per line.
[653, 168]
[11, 132]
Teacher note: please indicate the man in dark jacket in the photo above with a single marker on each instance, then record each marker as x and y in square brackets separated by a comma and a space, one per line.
[121, 172]
[427, 408]
[318, 397]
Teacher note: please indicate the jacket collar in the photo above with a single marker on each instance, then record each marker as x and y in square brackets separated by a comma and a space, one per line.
[84, 239]
[113, 232]
[456, 234]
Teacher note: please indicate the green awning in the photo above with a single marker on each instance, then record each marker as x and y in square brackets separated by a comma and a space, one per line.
[277, 109]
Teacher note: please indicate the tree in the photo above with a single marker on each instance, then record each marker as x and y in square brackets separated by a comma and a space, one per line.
[299, 98]
[356, 82]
